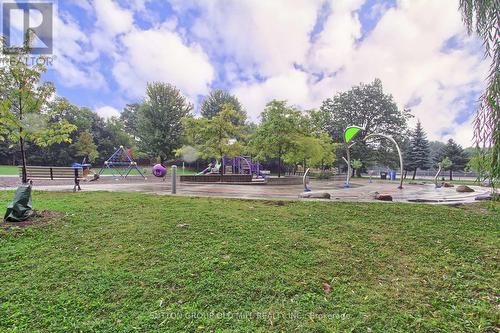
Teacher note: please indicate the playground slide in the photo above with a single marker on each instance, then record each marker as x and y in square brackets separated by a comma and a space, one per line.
[205, 171]
[210, 169]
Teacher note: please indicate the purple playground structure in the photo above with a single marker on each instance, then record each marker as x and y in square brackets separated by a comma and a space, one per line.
[239, 170]
[241, 165]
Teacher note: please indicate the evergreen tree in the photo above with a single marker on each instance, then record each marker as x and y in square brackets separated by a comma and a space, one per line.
[418, 153]
[456, 155]
[436, 148]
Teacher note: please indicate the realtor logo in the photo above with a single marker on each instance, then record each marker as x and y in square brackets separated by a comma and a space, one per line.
[19, 17]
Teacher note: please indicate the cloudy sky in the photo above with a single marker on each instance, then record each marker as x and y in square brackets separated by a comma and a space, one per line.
[300, 50]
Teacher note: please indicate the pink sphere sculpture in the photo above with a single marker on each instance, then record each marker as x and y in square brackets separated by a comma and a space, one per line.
[159, 170]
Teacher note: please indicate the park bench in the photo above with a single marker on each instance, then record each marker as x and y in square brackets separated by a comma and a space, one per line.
[49, 172]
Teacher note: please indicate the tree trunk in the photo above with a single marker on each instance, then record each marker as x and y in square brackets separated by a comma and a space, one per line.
[414, 174]
[279, 165]
[23, 158]
[451, 174]
[222, 169]
[21, 143]
[358, 173]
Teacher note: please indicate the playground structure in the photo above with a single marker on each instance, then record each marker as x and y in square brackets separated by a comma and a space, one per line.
[238, 169]
[121, 163]
[213, 168]
[159, 171]
[351, 133]
[241, 165]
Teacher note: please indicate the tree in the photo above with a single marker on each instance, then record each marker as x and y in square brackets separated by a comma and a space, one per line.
[277, 132]
[446, 163]
[24, 103]
[313, 147]
[356, 164]
[129, 118]
[455, 153]
[481, 164]
[215, 101]
[85, 146]
[215, 137]
[418, 151]
[311, 151]
[483, 18]
[436, 151]
[365, 105]
[159, 121]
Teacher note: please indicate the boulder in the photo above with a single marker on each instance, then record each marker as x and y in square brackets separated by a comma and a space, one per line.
[383, 197]
[484, 197]
[464, 189]
[315, 195]
[448, 185]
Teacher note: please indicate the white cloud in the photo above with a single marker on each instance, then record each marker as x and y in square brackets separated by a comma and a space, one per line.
[161, 55]
[112, 19]
[107, 112]
[291, 86]
[404, 50]
[335, 45]
[267, 36]
[74, 60]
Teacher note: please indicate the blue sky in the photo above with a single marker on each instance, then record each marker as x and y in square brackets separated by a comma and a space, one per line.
[300, 50]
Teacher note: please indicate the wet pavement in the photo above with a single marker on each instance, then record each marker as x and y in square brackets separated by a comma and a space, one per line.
[362, 189]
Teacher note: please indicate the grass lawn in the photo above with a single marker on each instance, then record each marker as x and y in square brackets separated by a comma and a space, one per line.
[126, 262]
[8, 170]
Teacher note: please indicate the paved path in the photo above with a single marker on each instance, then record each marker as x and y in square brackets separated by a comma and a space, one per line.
[362, 190]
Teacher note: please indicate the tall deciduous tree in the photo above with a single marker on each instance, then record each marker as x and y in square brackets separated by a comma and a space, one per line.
[86, 147]
[159, 121]
[129, 117]
[214, 137]
[311, 151]
[24, 103]
[215, 101]
[483, 18]
[277, 133]
[418, 151]
[365, 105]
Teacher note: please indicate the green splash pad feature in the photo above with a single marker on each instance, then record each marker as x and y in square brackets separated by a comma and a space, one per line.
[351, 132]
